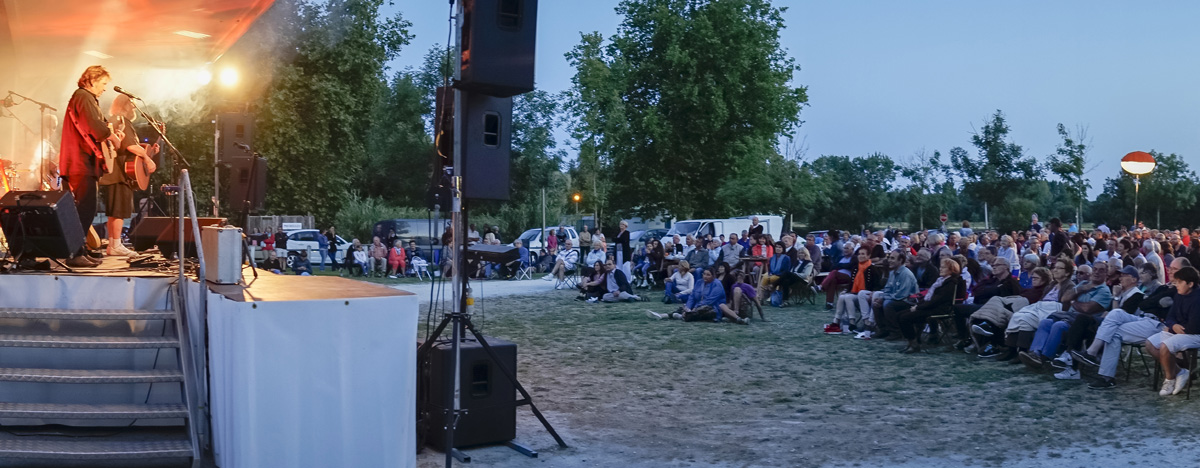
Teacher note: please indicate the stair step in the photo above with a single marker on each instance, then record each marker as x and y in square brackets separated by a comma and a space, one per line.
[77, 314]
[94, 449]
[79, 411]
[88, 342]
[89, 376]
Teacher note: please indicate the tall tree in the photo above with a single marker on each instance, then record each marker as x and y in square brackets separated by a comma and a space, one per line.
[851, 191]
[1069, 162]
[929, 192]
[1000, 175]
[704, 91]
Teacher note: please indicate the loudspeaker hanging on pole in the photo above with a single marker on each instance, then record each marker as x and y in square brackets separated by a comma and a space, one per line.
[498, 44]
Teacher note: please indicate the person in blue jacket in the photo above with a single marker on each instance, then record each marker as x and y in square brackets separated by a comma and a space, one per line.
[703, 304]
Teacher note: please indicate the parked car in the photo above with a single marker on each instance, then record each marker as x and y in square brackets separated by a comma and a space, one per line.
[306, 239]
[532, 240]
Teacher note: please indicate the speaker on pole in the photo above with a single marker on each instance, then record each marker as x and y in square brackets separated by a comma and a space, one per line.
[498, 45]
[487, 142]
[248, 175]
[235, 128]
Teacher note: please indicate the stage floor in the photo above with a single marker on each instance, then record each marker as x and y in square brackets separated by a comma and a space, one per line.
[111, 266]
[270, 287]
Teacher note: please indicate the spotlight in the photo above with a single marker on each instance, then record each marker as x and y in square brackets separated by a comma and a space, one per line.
[203, 77]
[229, 77]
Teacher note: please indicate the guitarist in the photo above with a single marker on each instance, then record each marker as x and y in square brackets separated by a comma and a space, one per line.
[80, 160]
[118, 199]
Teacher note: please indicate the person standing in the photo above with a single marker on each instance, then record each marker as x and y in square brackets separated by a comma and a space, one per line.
[331, 239]
[621, 244]
[323, 248]
[80, 158]
[585, 238]
[118, 199]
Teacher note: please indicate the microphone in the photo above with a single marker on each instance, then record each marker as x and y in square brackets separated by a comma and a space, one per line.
[131, 96]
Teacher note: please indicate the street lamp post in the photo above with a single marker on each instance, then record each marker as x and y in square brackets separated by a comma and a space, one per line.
[1137, 163]
[576, 197]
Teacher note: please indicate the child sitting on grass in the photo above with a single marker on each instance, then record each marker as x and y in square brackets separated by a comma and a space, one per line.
[745, 298]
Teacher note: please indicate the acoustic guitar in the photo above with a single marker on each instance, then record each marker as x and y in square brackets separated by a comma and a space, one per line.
[137, 172]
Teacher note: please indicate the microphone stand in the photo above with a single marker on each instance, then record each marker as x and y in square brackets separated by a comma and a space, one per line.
[42, 108]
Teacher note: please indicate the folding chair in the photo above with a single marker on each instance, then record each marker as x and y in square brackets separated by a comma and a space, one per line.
[570, 277]
[525, 271]
[939, 326]
[421, 266]
[1127, 360]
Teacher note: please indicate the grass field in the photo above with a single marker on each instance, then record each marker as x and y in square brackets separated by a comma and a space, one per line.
[628, 390]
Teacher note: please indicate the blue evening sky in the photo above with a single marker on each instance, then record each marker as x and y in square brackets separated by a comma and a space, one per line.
[901, 77]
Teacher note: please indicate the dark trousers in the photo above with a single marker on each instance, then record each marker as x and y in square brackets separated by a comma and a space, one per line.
[888, 317]
[997, 338]
[1020, 340]
[1082, 329]
[785, 283]
[962, 313]
[832, 284]
[84, 189]
[912, 322]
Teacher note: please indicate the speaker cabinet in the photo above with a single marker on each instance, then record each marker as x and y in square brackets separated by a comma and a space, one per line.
[168, 239]
[486, 139]
[145, 233]
[248, 176]
[489, 397]
[44, 224]
[234, 128]
[498, 44]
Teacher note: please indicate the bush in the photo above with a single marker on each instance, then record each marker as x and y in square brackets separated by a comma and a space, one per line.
[358, 215]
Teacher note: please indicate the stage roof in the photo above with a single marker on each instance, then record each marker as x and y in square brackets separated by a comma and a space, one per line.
[46, 44]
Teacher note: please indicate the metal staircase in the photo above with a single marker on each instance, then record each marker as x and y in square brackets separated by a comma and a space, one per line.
[121, 440]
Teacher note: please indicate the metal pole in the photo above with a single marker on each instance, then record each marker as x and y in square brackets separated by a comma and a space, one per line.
[217, 167]
[543, 218]
[986, 224]
[458, 284]
[1137, 182]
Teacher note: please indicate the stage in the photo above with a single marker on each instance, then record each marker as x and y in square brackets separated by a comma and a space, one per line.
[310, 371]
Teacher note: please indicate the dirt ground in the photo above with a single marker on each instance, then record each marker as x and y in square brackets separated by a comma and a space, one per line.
[625, 390]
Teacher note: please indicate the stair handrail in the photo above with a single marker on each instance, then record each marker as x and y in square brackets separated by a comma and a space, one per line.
[192, 360]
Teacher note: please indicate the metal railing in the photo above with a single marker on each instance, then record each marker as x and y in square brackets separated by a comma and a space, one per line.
[191, 323]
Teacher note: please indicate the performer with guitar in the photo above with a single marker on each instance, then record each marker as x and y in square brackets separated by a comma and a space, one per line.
[80, 158]
[131, 167]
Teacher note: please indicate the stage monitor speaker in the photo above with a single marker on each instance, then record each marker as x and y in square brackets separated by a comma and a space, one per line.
[239, 183]
[487, 141]
[168, 239]
[489, 397]
[493, 253]
[498, 45]
[44, 224]
[145, 233]
[234, 128]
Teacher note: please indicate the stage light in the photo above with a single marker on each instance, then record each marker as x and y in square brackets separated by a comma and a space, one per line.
[203, 77]
[229, 77]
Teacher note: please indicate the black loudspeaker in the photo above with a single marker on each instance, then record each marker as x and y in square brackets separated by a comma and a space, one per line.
[437, 197]
[235, 128]
[45, 224]
[145, 234]
[498, 44]
[241, 173]
[487, 140]
[168, 239]
[488, 396]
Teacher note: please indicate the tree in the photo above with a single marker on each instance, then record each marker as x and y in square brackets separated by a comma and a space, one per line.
[851, 192]
[929, 192]
[704, 95]
[1000, 175]
[1169, 188]
[1069, 162]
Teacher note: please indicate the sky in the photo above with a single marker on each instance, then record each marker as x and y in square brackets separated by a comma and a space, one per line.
[902, 78]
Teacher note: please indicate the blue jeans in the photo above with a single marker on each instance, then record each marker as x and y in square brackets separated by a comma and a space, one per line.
[671, 293]
[1049, 335]
[324, 257]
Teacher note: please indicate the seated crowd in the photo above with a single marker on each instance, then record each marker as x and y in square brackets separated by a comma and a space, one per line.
[1054, 300]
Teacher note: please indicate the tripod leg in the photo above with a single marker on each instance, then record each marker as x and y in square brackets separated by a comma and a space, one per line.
[246, 252]
[513, 378]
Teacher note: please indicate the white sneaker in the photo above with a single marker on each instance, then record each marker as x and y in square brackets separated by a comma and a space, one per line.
[561, 286]
[115, 249]
[1067, 374]
[1181, 381]
[593, 300]
[1167, 388]
[392, 276]
[863, 335]
[1063, 362]
[547, 277]
[655, 315]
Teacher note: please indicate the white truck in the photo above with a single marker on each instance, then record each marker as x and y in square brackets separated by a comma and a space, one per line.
[772, 225]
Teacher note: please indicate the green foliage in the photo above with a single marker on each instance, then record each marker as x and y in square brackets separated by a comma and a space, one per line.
[999, 175]
[1168, 193]
[929, 193]
[1069, 163]
[687, 94]
[359, 214]
[851, 192]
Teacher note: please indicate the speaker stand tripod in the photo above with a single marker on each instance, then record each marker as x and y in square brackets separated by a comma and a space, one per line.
[462, 321]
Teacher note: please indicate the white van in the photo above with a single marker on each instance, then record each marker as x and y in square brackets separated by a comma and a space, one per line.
[772, 225]
[532, 240]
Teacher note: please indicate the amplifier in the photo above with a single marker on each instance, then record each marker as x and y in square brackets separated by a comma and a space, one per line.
[222, 254]
[489, 397]
[44, 224]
